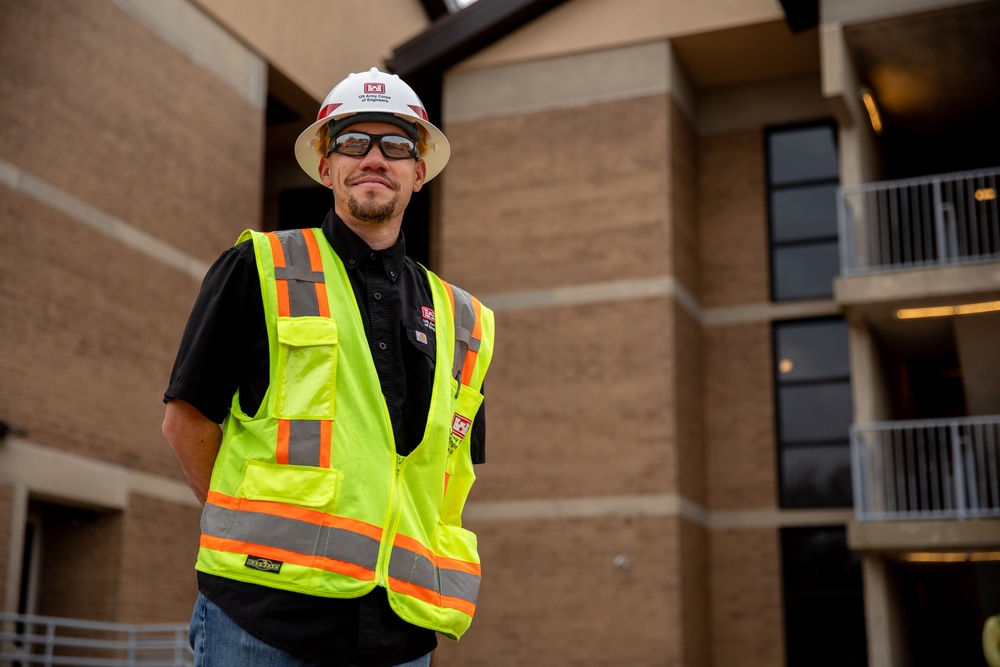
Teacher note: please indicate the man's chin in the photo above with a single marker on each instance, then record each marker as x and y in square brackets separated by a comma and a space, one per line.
[372, 212]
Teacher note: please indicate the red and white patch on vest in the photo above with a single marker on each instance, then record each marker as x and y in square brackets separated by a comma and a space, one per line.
[427, 313]
[376, 88]
[460, 426]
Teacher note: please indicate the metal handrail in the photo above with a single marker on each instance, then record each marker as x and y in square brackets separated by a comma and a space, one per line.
[919, 222]
[926, 469]
[27, 639]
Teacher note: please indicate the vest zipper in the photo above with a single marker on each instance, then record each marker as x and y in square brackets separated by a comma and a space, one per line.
[385, 551]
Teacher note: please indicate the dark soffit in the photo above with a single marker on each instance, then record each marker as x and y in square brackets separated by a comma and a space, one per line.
[801, 14]
[435, 9]
[453, 37]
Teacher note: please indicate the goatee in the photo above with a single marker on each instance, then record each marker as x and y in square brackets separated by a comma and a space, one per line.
[372, 212]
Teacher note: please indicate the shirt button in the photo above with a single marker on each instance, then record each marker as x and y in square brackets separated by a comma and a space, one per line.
[382, 346]
[353, 262]
[373, 255]
[392, 274]
[378, 296]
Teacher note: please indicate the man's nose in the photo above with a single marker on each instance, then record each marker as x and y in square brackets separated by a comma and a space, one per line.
[374, 159]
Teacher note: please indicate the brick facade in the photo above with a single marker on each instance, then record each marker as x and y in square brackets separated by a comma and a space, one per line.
[555, 200]
[732, 219]
[552, 595]
[745, 598]
[159, 548]
[106, 125]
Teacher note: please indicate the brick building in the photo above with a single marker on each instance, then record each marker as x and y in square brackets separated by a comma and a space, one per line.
[744, 261]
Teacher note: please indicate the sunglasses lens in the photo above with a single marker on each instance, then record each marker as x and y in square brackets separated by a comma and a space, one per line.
[397, 147]
[352, 143]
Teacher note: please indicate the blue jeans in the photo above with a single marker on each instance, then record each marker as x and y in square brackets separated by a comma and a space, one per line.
[219, 642]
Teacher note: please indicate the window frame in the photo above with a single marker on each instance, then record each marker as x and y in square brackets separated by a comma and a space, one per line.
[773, 245]
[780, 445]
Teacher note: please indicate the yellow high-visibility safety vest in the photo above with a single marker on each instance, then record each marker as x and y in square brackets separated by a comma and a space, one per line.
[309, 495]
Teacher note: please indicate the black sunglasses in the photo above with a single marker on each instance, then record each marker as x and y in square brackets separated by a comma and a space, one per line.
[357, 144]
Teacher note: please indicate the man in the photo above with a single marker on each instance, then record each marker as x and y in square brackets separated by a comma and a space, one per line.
[349, 381]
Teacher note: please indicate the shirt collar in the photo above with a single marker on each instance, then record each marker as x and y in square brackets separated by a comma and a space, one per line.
[355, 253]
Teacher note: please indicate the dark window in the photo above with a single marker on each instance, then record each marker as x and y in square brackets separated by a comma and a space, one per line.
[813, 405]
[802, 195]
[824, 600]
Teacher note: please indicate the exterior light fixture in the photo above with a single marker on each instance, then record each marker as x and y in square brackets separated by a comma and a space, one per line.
[951, 557]
[948, 311]
[985, 194]
[873, 113]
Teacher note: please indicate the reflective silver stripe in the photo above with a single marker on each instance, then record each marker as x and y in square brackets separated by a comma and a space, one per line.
[414, 568]
[465, 324]
[462, 585]
[298, 274]
[304, 442]
[290, 534]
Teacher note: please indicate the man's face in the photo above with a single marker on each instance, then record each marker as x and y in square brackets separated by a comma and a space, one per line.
[372, 189]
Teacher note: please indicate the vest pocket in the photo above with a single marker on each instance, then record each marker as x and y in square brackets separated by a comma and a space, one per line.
[284, 507]
[306, 376]
[305, 486]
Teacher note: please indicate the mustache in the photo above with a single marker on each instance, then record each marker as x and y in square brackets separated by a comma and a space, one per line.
[383, 177]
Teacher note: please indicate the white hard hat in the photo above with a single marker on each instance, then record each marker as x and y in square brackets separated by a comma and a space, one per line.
[372, 92]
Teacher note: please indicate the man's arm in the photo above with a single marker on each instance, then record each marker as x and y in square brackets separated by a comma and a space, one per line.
[195, 440]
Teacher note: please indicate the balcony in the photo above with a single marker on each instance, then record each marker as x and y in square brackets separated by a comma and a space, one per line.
[919, 223]
[926, 469]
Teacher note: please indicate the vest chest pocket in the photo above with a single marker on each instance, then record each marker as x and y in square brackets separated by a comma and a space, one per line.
[307, 368]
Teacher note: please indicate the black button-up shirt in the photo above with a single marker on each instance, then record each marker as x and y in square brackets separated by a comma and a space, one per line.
[225, 347]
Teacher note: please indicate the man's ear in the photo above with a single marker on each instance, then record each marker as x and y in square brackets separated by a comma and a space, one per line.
[418, 181]
[324, 172]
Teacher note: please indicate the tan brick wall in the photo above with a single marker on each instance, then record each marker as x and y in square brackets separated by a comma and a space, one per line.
[159, 546]
[550, 595]
[580, 402]
[6, 507]
[739, 417]
[732, 214]
[556, 198]
[682, 195]
[100, 106]
[88, 355]
[746, 603]
[688, 390]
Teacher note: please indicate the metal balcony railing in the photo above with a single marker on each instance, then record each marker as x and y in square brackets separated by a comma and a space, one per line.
[920, 222]
[27, 641]
[929, 469]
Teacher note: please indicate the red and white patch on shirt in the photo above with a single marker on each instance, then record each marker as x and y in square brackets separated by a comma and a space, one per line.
[428, 315]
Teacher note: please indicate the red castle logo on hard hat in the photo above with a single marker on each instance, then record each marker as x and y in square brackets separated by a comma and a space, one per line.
[376, 88]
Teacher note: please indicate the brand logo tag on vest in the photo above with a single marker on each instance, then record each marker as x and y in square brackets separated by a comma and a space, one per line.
[428, 315]
[421, 337]
[264, 564]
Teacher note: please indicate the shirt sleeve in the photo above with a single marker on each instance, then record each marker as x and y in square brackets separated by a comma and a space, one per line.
[219, 333]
